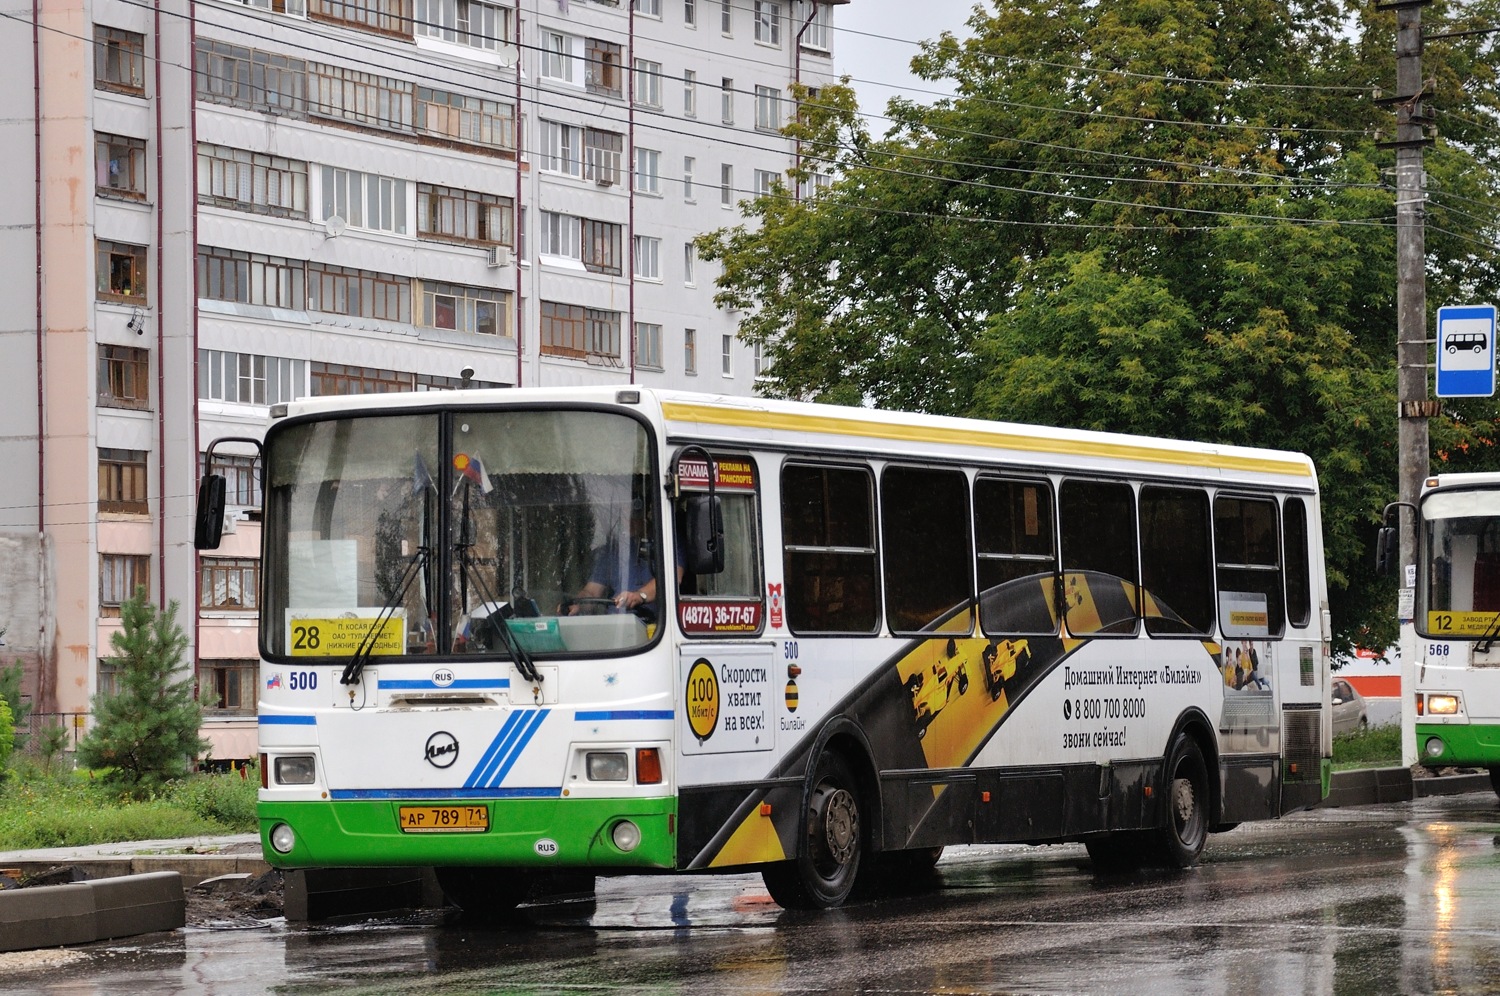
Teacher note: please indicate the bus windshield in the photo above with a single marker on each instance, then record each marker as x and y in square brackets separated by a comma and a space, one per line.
[421, 534]
[1462, 580]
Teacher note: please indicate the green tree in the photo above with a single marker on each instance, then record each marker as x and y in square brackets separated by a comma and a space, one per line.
[1171, 218]
[145, 733]
[7, 737]
[10, 691]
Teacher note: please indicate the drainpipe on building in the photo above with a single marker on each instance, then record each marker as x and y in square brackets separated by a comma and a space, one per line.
[517, 215]
[628, 333]
[161, 396]
[192, 102]
[41, 380]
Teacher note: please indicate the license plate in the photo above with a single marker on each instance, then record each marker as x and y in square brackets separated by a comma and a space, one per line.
[444, 819]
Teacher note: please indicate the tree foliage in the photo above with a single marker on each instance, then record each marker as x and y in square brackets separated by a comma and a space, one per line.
[145, 732]
[1171, 217]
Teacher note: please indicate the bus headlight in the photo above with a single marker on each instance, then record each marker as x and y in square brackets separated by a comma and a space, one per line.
[608, 766]
[296, 769]
[283, 839]
[1442, 705]
[1434, 747]
[626, 835]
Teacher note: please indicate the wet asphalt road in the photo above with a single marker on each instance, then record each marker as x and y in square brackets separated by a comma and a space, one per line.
[1403, 898]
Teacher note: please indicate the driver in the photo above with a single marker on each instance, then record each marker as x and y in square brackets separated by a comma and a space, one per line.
[624, 575]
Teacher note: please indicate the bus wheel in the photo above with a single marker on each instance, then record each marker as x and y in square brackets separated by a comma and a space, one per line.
[831, 845]
[484, 893]
[1186, 828]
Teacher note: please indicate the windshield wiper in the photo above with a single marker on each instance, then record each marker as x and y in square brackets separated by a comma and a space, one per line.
[366, 647]
[497, 617]
[1483, 646]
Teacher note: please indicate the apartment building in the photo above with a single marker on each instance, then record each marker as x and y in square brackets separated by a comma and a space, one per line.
[235, 204]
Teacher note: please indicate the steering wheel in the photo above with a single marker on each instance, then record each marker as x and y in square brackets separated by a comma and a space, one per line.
[600, 605]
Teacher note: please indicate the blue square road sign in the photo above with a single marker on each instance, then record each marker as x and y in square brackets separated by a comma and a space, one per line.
[1466, 351]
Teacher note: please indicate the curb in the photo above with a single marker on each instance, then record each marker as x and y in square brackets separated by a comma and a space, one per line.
[49, 916]
[1374, 786]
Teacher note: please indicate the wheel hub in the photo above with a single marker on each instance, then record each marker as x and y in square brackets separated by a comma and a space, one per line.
[839, 818]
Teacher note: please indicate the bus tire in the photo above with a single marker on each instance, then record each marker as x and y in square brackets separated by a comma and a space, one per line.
[1119, 850]
[1184, 830]
[484, 893]
[830, 846]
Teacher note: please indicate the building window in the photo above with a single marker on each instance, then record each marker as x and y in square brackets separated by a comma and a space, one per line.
[342, 290]
[120, 166]
[647, 257]
[477, 310]
[689, 263]
[109, 668]
[390, 17]
[758, 353]
[119, 60]
[124, 377]
[231, 683]
[329, 379]
[767, 108]
[122, 481]
[558, 54]
[602, 151]
[689, 93]
[601, 246]
[690, 13]
[120, 272]
[726, 16]
[768, 22]
[228, 583]
[560, 148]
[365, 200]
[250, 378]
[120, 574]
[647, 171]
[726, 354]
[726, 100]
[252, 181]
[602, 67]
[651, 8]
[464, 22]
[360, 97]
[690, 351]
[648, 345]
[449, 215]
[560, 234]
[251, 278]
[765, 182]
[726, 185]
[689, 164]
[572, 330]
[244, 77]
[818, 30]
[647, 83]
[463, 118]
[241, 473]
[814, 184]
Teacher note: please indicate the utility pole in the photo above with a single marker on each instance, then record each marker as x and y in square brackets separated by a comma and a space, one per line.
[1414, 406]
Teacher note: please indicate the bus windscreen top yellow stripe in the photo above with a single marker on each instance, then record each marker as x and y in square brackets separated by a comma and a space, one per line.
[678, 412]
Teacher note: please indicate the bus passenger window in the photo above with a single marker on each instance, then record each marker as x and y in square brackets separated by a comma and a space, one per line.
[1298, 562]
[1249, 567]
[1016, 556]
[828, 537]
[1100, 585]
[924, 531]
[1177, 564]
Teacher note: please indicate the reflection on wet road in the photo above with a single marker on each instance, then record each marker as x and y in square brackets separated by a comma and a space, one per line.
[1392, 899]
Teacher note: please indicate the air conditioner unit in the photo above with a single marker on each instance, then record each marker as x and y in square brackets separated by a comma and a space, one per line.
[604, 180]
[230, 518]
[499, 256]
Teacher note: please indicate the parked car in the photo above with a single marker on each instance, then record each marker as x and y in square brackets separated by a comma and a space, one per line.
[1349, 715]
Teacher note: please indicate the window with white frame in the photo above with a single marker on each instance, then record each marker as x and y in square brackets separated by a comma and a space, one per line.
[726, 354]
[767, 108]
[689, 165]
[560, 148]
[478, 310]
[560, 54]
[560, 235]
[813, 184]
[726, 100]
[250, 378]
[689, 94]
[648, 345]
[252, 181]
[768, 22]
[651, 8]
[690, 351]
[478, 25]
[365, 200]
[647, 83]
[765, 182]
[726, 16]
[690, 13]
[818, 31]
[602, 153]
[647, 171]
[726, 184]
[647, 257]
[689, 264]
[758, 353]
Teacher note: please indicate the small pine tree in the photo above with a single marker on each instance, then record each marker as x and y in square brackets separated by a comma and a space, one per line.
[10, 692]
[145, 732]
[7, 738]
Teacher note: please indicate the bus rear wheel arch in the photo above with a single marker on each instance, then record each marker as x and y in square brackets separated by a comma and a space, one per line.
[832, 840]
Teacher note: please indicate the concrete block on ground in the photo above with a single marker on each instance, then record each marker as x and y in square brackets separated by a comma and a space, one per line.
[138, 904]
[1453, 784]
[47, 916]
[327, 893]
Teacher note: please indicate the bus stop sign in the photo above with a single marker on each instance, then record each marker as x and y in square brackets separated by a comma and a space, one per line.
[1466, 351]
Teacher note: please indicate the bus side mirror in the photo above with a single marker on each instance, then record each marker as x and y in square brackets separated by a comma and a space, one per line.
[1385, 543]
[703, 534]
[208, 526]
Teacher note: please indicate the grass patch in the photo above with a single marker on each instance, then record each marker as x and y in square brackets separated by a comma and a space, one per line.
[71, 809]
[1377, 747]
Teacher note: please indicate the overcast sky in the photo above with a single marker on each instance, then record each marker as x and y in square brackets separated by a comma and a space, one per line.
[875, 40]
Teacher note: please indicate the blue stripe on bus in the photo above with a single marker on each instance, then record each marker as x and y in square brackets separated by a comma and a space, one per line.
[515, 755]
[506, 748]
[409, 683]
[459, 793]
[288, 720]
[487, 759]
[589, 717]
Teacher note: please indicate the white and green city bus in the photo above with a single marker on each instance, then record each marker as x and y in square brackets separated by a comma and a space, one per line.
[1457, 619]
[517, 631]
